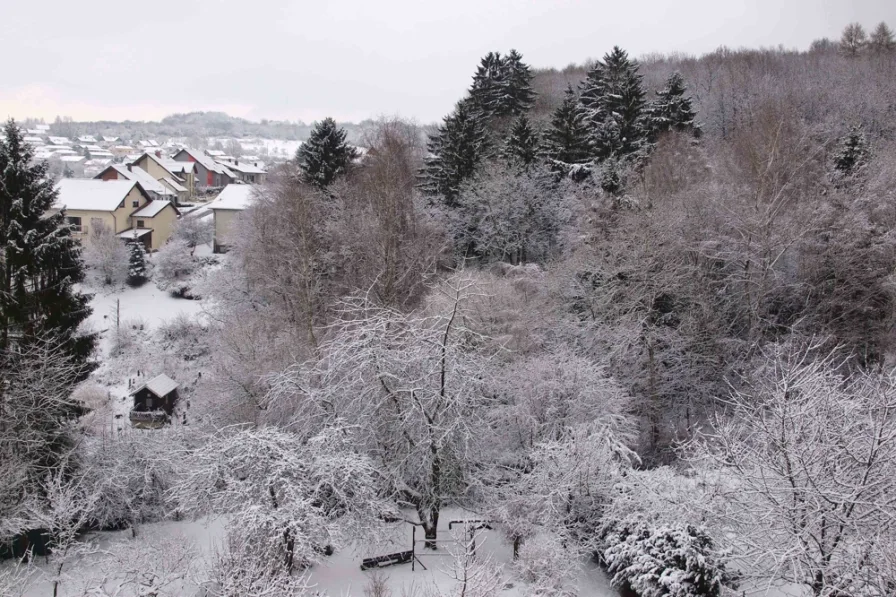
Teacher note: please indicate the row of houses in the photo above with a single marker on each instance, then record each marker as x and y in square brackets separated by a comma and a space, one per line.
[143, 200]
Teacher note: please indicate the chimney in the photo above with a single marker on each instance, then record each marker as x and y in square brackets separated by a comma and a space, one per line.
[236, 162]
[158, 153]
[255, 164]
[129, 168]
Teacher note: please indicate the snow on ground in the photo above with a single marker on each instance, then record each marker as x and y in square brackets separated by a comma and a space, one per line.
[339, 575]
[146, 303]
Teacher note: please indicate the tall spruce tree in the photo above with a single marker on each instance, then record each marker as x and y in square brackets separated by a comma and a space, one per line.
[882, 39]
[518, 96]
[489, 84]
[325, 155]
[522, 145]
[40, 262]
[615, 102]
[672, 109]
[456, 151]
[567, 142]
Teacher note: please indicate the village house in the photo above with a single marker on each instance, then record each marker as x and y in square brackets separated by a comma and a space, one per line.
[247, 172]
[129, 172]
[158, 168]
[208, 173]
[226, 208]
[154, 401]
[122, 206]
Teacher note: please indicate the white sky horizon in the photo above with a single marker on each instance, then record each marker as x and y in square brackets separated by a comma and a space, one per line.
[351, 59]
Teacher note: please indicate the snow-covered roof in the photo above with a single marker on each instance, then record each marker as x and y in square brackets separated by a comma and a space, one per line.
[42, 127]
[143, 177]
[33, 140]
[59, 140]
[208, 163]
[173, 184]
[151, 209]
[91, 194]
[87, 139]
[102, 154]
[160, 385]
[174, 166]
[72, 158]
[134, 233]
[110, 139]
[215, 153]
[234, 196]
[246, 168]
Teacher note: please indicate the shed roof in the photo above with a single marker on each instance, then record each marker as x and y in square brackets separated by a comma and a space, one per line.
[160, 385]
[91, 194]
[174, 185]
[234, 196]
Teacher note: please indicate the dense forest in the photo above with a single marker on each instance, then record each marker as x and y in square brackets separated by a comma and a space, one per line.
[636, 311]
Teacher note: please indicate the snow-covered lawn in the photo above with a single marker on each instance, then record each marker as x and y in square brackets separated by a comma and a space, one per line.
[339, 575]
[146, 303]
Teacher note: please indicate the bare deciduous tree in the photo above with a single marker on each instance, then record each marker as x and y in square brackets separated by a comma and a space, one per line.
[806, 474]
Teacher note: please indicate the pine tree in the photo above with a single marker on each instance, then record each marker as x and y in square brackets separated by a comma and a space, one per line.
[456, 151]
[672, 110]
[522, 145]
[615, 102]
[488, 86]
[137, 265]
[325, 155]
[853, 155]
[882, 39]
[518, 96]
[567, 141]
[41, 262]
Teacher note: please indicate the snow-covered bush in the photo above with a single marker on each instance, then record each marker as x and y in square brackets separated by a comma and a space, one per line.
[548, 566]
[665, 561]
[193, 232]
[289, 498]
[128, 474]
[106, 255]
[174, 265]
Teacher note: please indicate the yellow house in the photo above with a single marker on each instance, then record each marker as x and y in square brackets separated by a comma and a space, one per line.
[115, 205]
[226, 208]
[89, 203]
[153, 224]
[174, 175]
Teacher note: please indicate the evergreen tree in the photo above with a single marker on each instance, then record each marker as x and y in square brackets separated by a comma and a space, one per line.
[615, 102]
[325, 155]
[853, 155]
[518, 96]
[488, 86]
[137, 264]
[567, 141]
[882, 39]
[502, 86]
[522, 145]
[456, 151]
[672, 110]
[41, 262]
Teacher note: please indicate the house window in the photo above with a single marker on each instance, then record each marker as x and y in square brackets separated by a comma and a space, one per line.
[140, 224]
[75, 223]
[135, 203]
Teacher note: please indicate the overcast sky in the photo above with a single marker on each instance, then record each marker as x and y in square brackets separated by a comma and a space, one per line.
[350, 59]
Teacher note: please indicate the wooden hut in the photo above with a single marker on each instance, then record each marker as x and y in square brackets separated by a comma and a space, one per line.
[154, 401]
